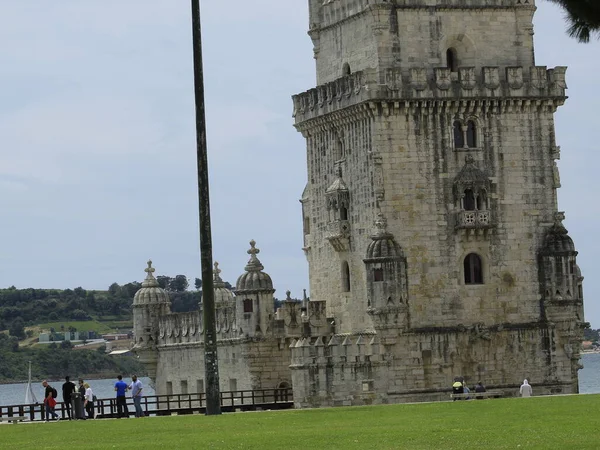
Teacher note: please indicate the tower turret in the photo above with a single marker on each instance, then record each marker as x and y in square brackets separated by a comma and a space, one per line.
[387, 284]
[149, 304]
[254, 294]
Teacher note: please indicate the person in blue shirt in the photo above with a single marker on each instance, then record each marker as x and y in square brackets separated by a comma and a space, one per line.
[121, 389]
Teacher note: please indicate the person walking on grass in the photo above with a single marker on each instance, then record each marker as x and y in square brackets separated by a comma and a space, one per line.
[121, 389]
[49, 401]
[136, 394]
[50, 395]
[525, 389]
[88, 401]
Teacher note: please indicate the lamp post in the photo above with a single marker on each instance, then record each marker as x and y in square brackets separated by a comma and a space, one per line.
[211, 366]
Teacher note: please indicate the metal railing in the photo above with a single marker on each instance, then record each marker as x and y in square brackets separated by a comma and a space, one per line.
[164, 405]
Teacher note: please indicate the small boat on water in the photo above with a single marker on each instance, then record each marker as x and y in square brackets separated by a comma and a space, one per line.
[29, 395]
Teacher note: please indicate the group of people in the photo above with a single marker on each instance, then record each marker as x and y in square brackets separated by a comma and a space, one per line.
[87, 399]
[460, 387]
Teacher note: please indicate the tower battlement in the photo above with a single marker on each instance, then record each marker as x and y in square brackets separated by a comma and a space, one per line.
[358, 348]
[177, 328]
[325, 13]
[497, 85]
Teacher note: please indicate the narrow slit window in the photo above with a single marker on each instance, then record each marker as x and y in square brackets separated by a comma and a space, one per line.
[471, 134]
[248, 308]
[345, 277]
[451, 60]
[377, 274]
[343, 213]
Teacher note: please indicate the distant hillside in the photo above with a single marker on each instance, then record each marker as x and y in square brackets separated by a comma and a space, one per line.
[25, 313]
[105, 310]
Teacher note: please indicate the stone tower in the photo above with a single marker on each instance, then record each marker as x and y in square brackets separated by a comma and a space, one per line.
[433, 116]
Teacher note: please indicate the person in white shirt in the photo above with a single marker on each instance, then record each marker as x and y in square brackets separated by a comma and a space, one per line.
[88, 402]
[136, 393]
[525, 390]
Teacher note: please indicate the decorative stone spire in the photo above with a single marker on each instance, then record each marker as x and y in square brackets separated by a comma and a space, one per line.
[254, 279]
[150, 281]
[381, 231]
[217, 281]
[254, 264]
[383, 244]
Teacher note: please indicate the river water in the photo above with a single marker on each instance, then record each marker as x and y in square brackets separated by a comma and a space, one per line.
[14, 394]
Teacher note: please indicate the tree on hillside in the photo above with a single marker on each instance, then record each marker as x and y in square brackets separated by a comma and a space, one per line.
[163, 281]
[198, 283]
[583, 17]
[179, 283]
[130, 289]
[114, 289]
[17, 328]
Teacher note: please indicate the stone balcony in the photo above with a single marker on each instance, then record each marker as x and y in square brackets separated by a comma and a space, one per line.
[474, 220]
[338, 235]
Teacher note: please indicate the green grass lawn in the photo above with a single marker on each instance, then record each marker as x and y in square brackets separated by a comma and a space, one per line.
[569, 422]
[85, 325]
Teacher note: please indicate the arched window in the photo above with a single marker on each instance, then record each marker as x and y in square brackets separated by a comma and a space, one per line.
[473, 269]
[345, 277]
[346, 69]
[451, 60]
[471, 134]
[469, 200]
[248, 308]
[459, 138]
[482, 200]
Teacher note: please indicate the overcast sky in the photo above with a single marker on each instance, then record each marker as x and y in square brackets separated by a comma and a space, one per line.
[97, 153]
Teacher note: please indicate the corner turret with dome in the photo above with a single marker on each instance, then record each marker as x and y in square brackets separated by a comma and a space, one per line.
[254, 294]
[150, 303]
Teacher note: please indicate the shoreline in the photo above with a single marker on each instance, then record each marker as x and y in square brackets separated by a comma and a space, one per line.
[90, 376]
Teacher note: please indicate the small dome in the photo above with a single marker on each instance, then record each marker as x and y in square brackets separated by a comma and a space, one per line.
[223, 296]
[383, 245]
[150, 292]
[254, 279]
[558, 241]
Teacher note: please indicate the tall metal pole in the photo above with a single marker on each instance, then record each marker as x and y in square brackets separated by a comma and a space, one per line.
[211, 366]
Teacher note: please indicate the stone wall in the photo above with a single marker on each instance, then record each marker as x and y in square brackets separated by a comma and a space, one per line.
[361, 369]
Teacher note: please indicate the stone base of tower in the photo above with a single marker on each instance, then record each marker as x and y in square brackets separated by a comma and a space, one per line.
[417, 366]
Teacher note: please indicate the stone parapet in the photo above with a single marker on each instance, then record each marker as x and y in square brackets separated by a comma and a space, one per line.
[332, 12]
[179, 328]
[494, 84]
